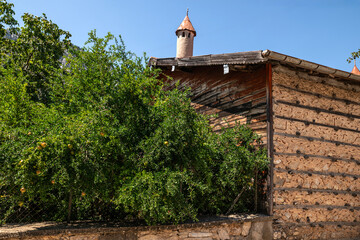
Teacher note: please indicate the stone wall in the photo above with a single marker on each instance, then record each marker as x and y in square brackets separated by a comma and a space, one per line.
[250, 227]
[316, 156]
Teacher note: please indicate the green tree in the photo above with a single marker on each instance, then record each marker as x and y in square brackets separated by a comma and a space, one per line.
[35, 49]
[354, 55]
[99, 133]
[6, 18]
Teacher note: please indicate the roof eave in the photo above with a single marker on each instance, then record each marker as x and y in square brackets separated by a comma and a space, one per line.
[252, 57]
[271, 55]
[190, 30]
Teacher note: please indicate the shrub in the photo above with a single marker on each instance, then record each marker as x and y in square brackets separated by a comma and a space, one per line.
[108, 140]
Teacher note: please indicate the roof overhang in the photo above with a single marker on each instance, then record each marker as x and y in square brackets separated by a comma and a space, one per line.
[252, 57]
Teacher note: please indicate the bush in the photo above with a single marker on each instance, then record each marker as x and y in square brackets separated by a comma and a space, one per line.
[108, 140]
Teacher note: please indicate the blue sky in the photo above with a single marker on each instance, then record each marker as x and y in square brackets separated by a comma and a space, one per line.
[321, 31]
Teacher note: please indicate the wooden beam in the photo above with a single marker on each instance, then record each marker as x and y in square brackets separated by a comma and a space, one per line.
[306, 207]
[332, 174]
[311, 190]
[270, 132]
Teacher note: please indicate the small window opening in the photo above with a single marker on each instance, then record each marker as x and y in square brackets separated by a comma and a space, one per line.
[183, 34]
[188, 35]
[226, 68]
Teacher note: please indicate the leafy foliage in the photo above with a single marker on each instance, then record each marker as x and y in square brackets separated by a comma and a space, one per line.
[6, 18]
[354, 55]
[99, 133]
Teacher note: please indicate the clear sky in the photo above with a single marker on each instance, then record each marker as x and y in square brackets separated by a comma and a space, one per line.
[321, 31]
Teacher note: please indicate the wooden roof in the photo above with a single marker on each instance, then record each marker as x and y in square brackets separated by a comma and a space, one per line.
[252, 57]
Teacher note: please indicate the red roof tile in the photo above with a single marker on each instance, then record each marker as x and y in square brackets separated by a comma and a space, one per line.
[355, 70]
[186, 25]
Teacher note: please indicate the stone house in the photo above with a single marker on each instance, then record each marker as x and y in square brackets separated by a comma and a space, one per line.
[309, 117]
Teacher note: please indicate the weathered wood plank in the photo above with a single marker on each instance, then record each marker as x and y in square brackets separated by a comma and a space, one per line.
[270, 136]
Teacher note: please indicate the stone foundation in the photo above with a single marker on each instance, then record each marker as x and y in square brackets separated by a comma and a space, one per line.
[250, 227]
[319, 231]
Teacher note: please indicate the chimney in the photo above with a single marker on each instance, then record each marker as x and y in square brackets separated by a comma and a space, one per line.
[185, 38]
[355, 70]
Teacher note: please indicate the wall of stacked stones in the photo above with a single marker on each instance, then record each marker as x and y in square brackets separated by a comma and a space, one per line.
[250, 227]
[316, 156]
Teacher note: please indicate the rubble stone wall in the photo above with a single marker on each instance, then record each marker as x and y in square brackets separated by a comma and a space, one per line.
[252, 227]
[316, 123]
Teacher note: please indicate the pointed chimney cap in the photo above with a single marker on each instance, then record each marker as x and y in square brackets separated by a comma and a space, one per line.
[186, 24]
[355, 70]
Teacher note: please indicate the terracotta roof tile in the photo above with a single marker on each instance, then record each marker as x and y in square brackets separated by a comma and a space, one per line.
[355, 70]
[186, 25]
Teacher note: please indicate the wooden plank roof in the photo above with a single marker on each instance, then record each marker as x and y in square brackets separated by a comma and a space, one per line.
[251, 57]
